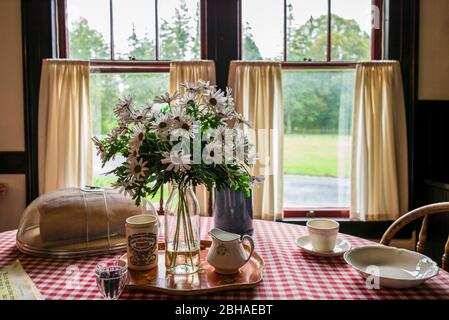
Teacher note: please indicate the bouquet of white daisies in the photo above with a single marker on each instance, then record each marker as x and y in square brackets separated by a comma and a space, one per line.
[194, 138]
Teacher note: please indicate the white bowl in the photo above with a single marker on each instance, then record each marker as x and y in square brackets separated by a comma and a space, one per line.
[396, 268]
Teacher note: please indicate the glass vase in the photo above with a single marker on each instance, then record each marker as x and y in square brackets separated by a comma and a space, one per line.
[182, 231]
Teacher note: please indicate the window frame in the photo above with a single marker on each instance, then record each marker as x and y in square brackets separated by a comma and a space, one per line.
[124, 66]
[376, 54]
[376, 41]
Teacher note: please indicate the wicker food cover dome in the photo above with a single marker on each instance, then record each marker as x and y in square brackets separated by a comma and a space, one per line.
[77, 222]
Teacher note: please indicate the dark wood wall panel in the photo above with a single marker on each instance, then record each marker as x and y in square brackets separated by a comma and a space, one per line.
[38, 32]
[12, 162]
[223, 36]
[432, 148]
[401, 43]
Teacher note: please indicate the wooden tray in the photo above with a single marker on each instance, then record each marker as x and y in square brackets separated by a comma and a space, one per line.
[203, 282]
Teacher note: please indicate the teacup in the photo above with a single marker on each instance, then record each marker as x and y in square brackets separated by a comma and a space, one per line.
[323, 234]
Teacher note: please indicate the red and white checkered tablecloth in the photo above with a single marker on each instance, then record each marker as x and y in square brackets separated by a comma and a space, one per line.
[289, 273]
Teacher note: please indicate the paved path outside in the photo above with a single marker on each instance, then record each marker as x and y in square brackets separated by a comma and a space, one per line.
[311, 191]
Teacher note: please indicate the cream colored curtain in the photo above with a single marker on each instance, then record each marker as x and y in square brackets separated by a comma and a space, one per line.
[379, 180]
[192, 71]
[65, 128]
[257, 88]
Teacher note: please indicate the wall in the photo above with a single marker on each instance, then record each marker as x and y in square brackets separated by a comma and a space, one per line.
[11, 110]
[432, 114]
[434, 50]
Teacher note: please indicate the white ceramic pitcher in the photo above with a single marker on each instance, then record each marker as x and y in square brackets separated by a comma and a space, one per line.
[227, 254]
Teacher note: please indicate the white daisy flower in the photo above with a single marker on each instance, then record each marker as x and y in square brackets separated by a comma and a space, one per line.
[124, 106]
[204, 87]
[133, 153]
[165, 98]
[188, 99]
[178, 112]
[138, 137]
[256, 180]
[252, 159]
[230, 99]
[190, 87]
[212, 153]
[185, 127]
[141, 116]
[216, 100]
[241, 119]
[137, 169]
[123, 187]
[162, 122]
[177, 161]
[101, 150]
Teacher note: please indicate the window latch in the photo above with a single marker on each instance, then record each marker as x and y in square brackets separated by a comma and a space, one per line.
[311, 214]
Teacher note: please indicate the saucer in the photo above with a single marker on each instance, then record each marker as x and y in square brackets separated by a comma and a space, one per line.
[340, 247]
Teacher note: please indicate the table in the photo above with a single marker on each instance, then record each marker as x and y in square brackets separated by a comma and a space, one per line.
[289, 272]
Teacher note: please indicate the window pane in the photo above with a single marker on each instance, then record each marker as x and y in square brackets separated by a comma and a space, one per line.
[179, 29]
[134, 29]
[89, 29]
[351, 30]
[307, 23]
[106, 89]
[263, 29]
[318, 123]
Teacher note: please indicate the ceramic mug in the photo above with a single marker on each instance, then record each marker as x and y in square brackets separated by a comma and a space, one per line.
[323, 234]
[142, 241]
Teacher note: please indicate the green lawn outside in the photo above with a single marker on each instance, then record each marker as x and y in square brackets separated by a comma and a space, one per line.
[317, 154]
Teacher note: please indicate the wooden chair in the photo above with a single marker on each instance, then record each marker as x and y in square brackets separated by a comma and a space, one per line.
[412, 216]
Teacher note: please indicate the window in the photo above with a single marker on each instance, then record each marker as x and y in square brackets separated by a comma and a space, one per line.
[118, 30]
[318, 43]
[311, 31]
[130, 44]
[318, 122]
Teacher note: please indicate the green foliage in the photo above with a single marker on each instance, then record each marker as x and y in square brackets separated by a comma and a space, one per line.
[321, 101]
[87, 43]
[141, 49]
[196, 46]
[250, 49]
[176, 40]
[349, 42]
[318, 101]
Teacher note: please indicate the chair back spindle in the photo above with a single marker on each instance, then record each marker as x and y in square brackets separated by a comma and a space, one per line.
[445, 261]
[426, 211]
[420, 246]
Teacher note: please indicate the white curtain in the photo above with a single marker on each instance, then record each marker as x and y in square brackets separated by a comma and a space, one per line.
[65, 128]
[257, 88]
[379, 178]
[192, 71]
